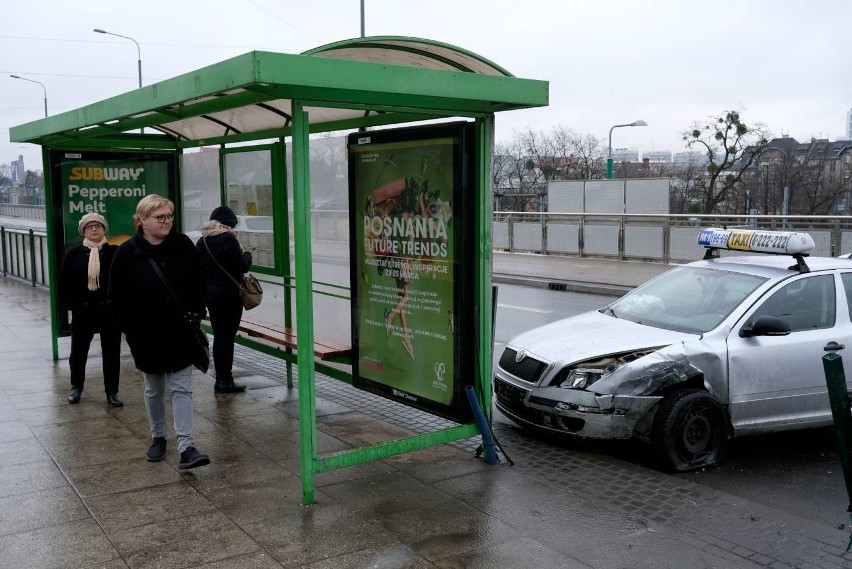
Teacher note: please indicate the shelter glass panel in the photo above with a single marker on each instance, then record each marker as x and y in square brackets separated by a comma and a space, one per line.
[200, 188]
[248, 191]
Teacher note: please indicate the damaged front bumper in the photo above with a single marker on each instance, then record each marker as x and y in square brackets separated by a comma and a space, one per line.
[619, 405]
[576, 412]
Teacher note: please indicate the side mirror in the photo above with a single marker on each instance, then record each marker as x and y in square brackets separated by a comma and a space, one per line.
[765, 325]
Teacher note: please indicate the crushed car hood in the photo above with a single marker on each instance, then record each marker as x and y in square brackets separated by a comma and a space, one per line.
[591, 335]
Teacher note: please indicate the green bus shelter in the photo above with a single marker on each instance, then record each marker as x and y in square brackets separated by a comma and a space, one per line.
[361, 85]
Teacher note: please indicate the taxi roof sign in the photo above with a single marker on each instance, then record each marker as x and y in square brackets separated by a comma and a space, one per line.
[757, 241]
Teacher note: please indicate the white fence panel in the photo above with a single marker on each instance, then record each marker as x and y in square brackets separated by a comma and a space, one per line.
[600, 239]
[645, 242]
[528, 236]
[604, 196]
[500, 235]
[647, 196]
[565, 197]
[563, 237]
[845, 243]
[683, 244]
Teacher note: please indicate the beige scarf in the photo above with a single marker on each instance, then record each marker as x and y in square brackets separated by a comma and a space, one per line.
[94, 262]
[213, 228]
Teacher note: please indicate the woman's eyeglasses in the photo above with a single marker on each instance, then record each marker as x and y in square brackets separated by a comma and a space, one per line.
[164, 218]
[93, 226]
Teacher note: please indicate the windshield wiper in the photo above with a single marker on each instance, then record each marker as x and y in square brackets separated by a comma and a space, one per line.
[611, 311]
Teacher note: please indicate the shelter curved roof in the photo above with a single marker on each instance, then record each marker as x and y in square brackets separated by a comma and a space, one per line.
[343, 85]
[409, 51]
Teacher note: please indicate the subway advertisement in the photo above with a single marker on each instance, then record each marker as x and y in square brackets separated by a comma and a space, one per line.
[104, 182]
[410, 231]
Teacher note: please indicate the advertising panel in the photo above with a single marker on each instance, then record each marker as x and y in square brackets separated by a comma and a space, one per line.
[108, 183]
[410, 230]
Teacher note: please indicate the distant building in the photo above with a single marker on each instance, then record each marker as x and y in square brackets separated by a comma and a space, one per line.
[689, 159]
[657, 156]
[818, 170]
[625, 155]
[849, 124]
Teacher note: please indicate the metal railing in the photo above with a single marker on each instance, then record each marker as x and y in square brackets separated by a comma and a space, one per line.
[647, 237]
[635, 237]
[23, 254]
[22, 211]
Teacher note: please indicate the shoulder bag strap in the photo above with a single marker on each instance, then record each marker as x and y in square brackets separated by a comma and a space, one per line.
[167, 285]
[227, 274]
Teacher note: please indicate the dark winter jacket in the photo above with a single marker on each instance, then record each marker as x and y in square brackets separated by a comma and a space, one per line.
[226, 249]
[73, 283]
[159, 337]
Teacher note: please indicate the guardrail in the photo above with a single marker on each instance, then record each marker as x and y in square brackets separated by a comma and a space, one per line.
[635, 237]
[647, 237]
[23, 211]
[23, 254]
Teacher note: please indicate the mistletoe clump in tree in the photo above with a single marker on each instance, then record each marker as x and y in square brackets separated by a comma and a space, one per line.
[723, 139]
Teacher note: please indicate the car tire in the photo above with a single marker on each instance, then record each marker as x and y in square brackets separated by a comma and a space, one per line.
[690, 431]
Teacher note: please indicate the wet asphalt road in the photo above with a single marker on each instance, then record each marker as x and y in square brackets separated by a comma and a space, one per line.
[796, 472]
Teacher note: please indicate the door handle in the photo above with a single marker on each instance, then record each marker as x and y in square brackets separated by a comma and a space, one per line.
[833, 347]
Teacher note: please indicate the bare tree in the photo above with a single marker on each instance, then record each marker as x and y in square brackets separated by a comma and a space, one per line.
[723, 140]
[540, 149]
[515, 179]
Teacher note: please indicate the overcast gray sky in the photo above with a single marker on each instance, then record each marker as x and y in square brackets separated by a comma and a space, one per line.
[668, 62]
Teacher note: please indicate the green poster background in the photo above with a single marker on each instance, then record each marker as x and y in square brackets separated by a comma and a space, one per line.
[111, 188]
[110, 183]
[405, 264]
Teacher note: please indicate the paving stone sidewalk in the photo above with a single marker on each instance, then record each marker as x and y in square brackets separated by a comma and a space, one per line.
[76, 491]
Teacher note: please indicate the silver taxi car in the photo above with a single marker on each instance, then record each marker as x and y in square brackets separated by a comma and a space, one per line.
[710, 350]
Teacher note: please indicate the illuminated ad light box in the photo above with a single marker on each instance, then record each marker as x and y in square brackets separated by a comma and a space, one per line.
[411, 226]
[104, 182]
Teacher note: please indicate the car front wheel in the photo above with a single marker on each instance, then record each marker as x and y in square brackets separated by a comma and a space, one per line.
[690, 431]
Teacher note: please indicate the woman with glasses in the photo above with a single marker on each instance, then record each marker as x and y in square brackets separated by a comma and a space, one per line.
[152, 320]
[83, 284]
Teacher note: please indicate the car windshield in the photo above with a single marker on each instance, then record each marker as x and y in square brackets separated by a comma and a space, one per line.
[686, 299]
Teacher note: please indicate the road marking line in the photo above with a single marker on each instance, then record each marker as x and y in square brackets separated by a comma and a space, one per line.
[537, 310]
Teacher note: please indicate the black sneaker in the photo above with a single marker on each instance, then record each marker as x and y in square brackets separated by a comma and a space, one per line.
[157, 450]
[191, 458]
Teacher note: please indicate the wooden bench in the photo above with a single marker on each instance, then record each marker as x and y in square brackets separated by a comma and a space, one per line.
[279, 335]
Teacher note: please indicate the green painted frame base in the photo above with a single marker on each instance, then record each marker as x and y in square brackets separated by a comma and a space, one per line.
[347, 458]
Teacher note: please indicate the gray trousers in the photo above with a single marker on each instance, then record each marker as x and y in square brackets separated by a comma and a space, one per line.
[179, 384]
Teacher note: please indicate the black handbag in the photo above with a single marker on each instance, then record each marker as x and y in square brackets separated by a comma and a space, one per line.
[200, 343]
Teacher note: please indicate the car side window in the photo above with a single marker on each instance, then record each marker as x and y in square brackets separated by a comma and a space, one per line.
[806, 304]
[847, 287]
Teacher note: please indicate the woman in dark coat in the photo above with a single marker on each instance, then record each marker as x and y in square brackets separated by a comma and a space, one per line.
[83, 283]
[218, 244]
[153, 323]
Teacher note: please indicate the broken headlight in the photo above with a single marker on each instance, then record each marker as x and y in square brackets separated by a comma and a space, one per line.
[583, 374]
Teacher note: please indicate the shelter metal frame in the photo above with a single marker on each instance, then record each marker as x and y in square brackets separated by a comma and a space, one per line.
[261, 96]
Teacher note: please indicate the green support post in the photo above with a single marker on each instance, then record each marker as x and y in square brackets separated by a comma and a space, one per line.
[484, 131]
[838, 396]
[52, 277]
[304, 301]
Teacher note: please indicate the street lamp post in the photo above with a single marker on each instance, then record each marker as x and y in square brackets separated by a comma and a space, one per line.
[34, 81]
[138, 57]
[609, 148]
[138, 50]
